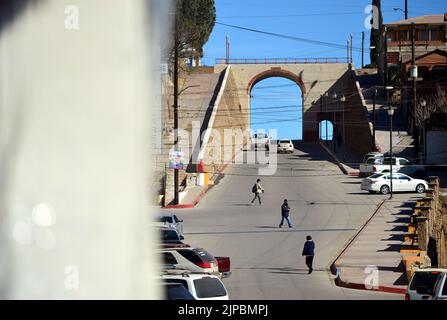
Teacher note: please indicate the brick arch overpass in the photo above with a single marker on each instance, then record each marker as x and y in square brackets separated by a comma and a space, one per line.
[318, 81]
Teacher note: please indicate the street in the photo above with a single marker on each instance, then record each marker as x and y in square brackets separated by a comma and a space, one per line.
[266, 260]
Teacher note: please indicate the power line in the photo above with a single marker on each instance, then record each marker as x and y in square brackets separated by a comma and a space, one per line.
[283, 36]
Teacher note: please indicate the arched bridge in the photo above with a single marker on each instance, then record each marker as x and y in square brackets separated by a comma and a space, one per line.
[323, 81]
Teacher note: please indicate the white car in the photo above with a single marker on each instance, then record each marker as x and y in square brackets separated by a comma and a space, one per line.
[259, 141]
[285, 146]
[193, 259]
[201, 286]
[440, 291]
[425, 283]
[380, 182]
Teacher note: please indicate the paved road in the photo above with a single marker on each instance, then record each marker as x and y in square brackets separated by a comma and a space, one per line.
[266, 260]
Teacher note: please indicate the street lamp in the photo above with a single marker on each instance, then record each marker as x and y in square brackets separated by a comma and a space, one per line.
[343, 100]
[334, 96]
[326, 94]
[423, 104]
[390, 112]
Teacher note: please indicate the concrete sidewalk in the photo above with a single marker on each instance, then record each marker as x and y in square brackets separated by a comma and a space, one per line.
[377, 247]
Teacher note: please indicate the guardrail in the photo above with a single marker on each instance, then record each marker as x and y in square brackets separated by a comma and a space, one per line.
[283, 61]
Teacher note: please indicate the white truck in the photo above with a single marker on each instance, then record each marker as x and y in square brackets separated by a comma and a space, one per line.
[401, 165]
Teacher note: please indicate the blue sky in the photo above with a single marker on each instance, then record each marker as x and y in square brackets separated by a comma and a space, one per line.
[323, 20]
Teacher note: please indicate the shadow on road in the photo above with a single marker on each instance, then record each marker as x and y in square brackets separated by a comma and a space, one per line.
[272, 231]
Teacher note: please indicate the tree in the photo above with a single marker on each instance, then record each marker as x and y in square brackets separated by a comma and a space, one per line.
[436, 101]
[195, 22]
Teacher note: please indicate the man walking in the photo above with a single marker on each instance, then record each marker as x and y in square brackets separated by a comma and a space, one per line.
[257, 190]
[309, 252]
[285, 211]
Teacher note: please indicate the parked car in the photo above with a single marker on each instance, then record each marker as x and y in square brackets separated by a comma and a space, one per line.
[170, 220]
[260, 140]
[422, 283]
[380, 182]
[372, 155]
[440, 290]
[366, 167]
[200, 286]
[170, 235]
[176, 291]
[397, 164]
[193, 259]
[285, 145]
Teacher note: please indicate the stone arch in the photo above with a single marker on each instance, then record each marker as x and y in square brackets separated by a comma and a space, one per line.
[277, 72]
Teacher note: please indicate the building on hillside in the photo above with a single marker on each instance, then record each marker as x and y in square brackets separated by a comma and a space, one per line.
[430, 54]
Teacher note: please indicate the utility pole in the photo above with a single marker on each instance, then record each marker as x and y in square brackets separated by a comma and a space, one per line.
[406, 9]
[373, 147]
[227, 45]
[413, 74]
[363, 48]
[347, 51]
[176, 173]
[351, 48]
[325, 122]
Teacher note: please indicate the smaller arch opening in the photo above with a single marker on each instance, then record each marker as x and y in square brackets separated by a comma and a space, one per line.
[326, 130]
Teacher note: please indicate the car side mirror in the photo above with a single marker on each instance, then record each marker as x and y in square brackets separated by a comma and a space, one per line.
[182, 238]
[181, 220]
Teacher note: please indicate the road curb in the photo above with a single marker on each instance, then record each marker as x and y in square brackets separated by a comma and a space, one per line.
[188, 205]
[334, 269]
[358, 286]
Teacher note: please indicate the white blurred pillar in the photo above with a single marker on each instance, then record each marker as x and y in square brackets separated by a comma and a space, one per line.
[74, 127]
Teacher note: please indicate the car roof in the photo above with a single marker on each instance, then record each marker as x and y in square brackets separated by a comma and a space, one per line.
[186, 247]
[169, 214]
[185, 274]
[165, 227]
[431, 270]
[174, 245]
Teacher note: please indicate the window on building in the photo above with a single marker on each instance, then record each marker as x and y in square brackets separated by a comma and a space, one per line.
[423, 34]
[434, 34]
[391, 36]
[403, 35]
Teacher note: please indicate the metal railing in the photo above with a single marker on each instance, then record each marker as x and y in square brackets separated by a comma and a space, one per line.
[283, 61]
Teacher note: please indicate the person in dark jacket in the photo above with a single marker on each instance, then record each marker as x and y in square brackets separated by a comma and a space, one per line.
[309, 252]
[285, 212]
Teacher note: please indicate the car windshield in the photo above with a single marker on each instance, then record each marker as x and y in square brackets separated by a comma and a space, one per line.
[284, 141]
[444, 290]
[388, 161]
[208, 287]
[177, 291]
[166, 219]
[169, 235]
[424, 279]
[376, 175]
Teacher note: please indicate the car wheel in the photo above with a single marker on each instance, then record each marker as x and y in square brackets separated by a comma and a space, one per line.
[420, 188]
[384, 189]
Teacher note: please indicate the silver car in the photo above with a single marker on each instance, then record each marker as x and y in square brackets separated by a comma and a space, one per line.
[170, 220]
